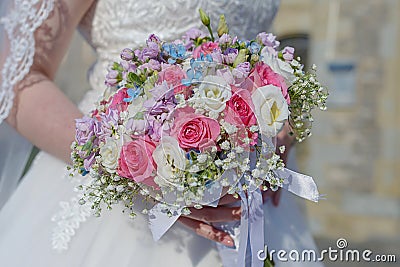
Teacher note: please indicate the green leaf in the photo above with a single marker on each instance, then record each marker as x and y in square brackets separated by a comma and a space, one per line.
[133, 78]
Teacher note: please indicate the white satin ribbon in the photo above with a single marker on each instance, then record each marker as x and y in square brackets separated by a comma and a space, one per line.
[251, 230]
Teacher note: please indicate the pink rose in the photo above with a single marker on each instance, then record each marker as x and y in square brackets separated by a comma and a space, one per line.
[173, 75]
[239, 109]
[262, 75]
[136, 161]
[205, 49]
[194, 130]
[117, 100]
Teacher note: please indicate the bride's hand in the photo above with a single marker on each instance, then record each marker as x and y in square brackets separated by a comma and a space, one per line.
[275, 196]
[199, 220]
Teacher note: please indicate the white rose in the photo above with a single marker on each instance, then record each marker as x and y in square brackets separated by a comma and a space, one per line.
[270, 108]
[279, 66]
[169, 158]
[109, 153]
[213, 93]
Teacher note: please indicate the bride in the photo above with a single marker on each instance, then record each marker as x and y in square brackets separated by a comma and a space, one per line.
[42, 224]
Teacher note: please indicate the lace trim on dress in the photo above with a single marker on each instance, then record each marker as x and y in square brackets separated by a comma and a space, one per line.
[68, 219]
[20, 24]
[72, 213]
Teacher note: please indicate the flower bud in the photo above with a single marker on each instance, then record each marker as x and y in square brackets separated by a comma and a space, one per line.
[205, 19]
[222, 26]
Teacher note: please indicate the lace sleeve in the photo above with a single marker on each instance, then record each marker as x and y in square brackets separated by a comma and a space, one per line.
[34, 37]
[19, 24]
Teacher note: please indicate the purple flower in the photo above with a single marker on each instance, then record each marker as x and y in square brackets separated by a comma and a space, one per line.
[159, 125]
[127, 54]
[267, 39]
[153, 38]
[88, 162]
[151, 51]
[101, 131]
[136, 126]
[104, 128]
[193, 34]
[217, 57]
[225, 39]
[288, 53]
[241, 71]
[230, 55]
[152, 65]
[84, 130]
[138, 54]
[111, 78]
[244, 67]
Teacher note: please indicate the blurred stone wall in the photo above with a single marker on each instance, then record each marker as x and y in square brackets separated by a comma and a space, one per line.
[354, 153]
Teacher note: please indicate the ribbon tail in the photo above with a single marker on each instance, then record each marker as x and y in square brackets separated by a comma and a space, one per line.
[244, 231]
[256, 227]
[160, 221]
[299, 184]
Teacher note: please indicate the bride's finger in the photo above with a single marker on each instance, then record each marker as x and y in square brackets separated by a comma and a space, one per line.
[228, 199]
[218, 214]
[207, 231]
[276, 198]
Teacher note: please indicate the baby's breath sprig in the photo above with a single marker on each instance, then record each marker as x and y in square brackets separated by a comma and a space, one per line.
[306, 93]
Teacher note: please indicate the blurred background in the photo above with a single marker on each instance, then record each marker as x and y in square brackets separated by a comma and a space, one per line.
[354, 153]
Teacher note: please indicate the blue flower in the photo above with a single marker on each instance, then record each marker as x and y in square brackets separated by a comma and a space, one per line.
[196, 71]
[133, 94]
[254, 48]
[174, 51]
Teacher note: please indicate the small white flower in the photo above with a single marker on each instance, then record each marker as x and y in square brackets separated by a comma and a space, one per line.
[218, 163]
[239, 149]
[109, 153]
[194, 168]
[225, 145]
[231, 155]
[120, 188]
[229, 128]
[282, 149]
[254, 128]
[201, 158]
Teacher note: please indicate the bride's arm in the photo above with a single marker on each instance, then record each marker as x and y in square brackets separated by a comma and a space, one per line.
[41, 112]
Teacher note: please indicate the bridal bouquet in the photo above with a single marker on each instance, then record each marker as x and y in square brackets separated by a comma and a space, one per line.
[184, 122]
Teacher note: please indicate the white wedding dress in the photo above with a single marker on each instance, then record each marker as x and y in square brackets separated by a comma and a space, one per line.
[43, 225]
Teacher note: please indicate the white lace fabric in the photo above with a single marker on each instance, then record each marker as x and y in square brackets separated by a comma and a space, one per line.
[22, 18]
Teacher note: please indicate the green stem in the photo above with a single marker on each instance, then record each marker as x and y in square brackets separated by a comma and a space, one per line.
[211, 32]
